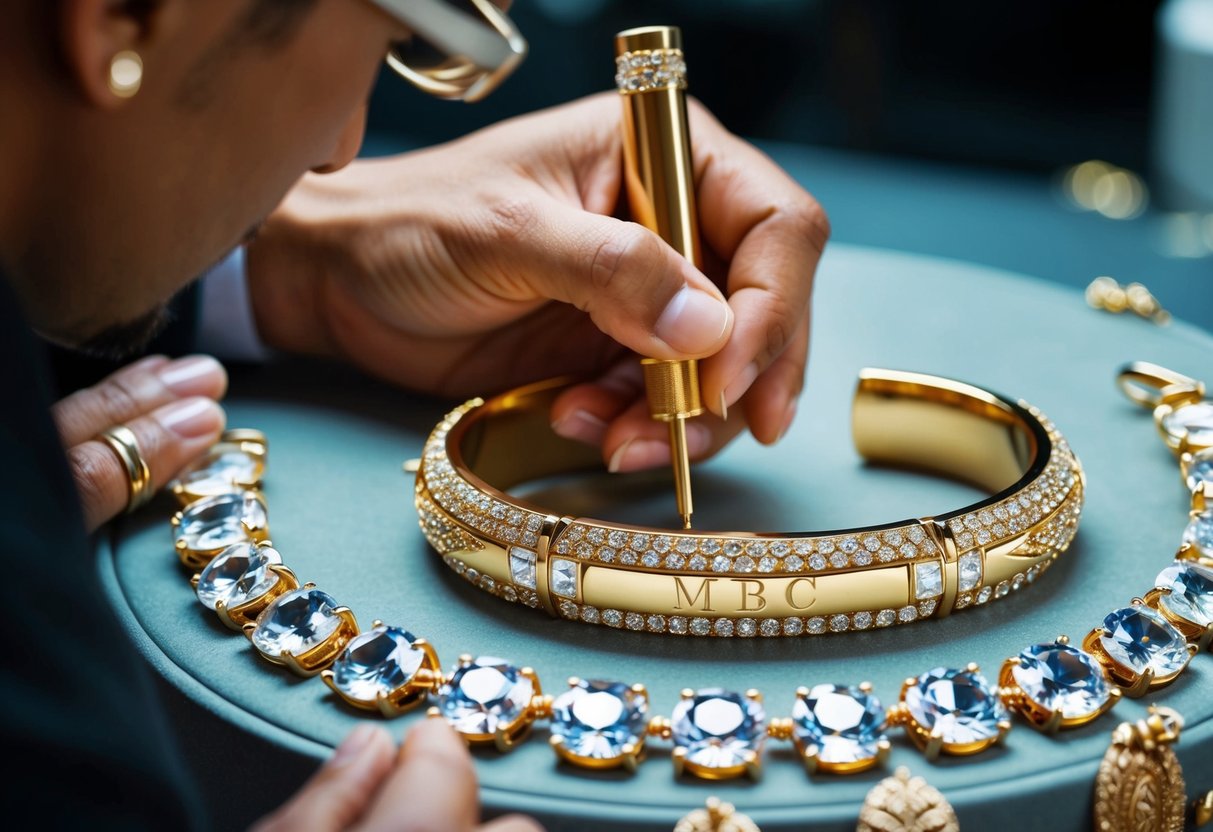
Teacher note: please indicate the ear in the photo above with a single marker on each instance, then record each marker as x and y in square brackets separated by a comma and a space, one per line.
[92, 32]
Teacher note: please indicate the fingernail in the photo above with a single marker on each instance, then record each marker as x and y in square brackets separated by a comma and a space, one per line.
[354, 744]
[194, 375]
[434, 739]
[637, 455]
[724, 407]
[191, 418]
[694, 322]
[581, 426]
[737, 387]
[788, 417]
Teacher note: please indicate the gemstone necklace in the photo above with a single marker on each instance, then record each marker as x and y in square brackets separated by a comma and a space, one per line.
[221, 534]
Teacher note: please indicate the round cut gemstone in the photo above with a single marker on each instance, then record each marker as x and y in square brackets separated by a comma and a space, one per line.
[219, 521]
[958, 703]
[718, 728]
[377, 663]
[1191, 421]
[1139, 638]
[598, 719]
[1199, 469]
[296, 622]
[237, 575]
[485, 695]
[844, 723]
[1190, 595]
[1058, 677]
[223, 469]
[1199, 533]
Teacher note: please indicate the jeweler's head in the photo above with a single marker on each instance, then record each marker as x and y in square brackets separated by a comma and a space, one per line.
[110, 202]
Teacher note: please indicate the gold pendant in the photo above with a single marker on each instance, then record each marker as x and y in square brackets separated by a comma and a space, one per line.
[906, 804]
[1140, 786]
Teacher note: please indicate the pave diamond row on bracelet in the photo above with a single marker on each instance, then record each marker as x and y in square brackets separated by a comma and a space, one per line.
[715, 733]
[514, 524]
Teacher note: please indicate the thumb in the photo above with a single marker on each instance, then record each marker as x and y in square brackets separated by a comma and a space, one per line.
[635, 287]
[338, 794]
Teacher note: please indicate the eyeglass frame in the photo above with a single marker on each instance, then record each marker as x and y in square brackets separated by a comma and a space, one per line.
[487, 50]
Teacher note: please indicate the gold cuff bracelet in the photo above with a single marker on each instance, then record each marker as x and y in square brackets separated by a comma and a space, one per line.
[747, 583]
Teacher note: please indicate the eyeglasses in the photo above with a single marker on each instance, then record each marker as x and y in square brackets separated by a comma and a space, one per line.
[460, 49]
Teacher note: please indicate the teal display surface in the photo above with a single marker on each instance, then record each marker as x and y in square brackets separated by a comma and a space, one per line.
[341, 514]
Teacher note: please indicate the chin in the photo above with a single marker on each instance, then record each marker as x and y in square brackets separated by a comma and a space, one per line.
[122, 340]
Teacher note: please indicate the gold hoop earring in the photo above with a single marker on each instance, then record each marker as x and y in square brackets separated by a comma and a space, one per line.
[126, 73]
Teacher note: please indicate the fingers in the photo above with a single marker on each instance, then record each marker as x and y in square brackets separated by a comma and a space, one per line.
[340, 792]
[636, 288]
[167, 404]
[432, 787]
[772, 233]
[611, 412]
[168, 437]
[135, 390]
[512, 823]
[770, 404]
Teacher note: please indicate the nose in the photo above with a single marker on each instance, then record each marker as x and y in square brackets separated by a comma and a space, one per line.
[348, 143]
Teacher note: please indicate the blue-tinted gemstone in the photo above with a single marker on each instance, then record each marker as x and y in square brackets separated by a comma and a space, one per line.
[378, 662]
[845, 724]
[958, 703]
[1058, 677]
[597, 719]
[485, 695]
[1139, 638]
[219, 521]
[1190, 587]
[1199, 470]
[1199, 533]
[239, 574]
[718, 728]
[296, 622]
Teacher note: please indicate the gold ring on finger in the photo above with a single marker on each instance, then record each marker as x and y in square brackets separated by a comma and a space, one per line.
[139, 477]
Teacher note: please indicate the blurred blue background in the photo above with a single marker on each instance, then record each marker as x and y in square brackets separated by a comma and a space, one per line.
[949, 128]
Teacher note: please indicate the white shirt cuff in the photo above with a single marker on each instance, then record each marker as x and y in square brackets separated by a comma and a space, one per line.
[226, 328]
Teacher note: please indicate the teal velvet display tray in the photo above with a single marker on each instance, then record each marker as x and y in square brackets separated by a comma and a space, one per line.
[342, 516]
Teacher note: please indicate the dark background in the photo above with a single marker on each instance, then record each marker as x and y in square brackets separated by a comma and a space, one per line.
[1030, 85]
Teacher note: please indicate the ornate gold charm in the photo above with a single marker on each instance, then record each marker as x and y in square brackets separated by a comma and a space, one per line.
[716, 817]
[906, 804]
[1140, 786]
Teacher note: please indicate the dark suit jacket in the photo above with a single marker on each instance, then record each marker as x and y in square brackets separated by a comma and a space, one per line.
[85, 741]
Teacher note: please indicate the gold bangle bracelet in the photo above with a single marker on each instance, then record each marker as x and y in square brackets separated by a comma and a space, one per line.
[746, 583]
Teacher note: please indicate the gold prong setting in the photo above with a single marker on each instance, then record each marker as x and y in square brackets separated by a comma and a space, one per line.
[951, 711]
[1054, 685]
[235, 463]
[839, 729]
[387, 669]
[600, 724]
[489, 701]
[304, 630]
[242, 580]
[1139, 648]
[718, 734]
[206, 527]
